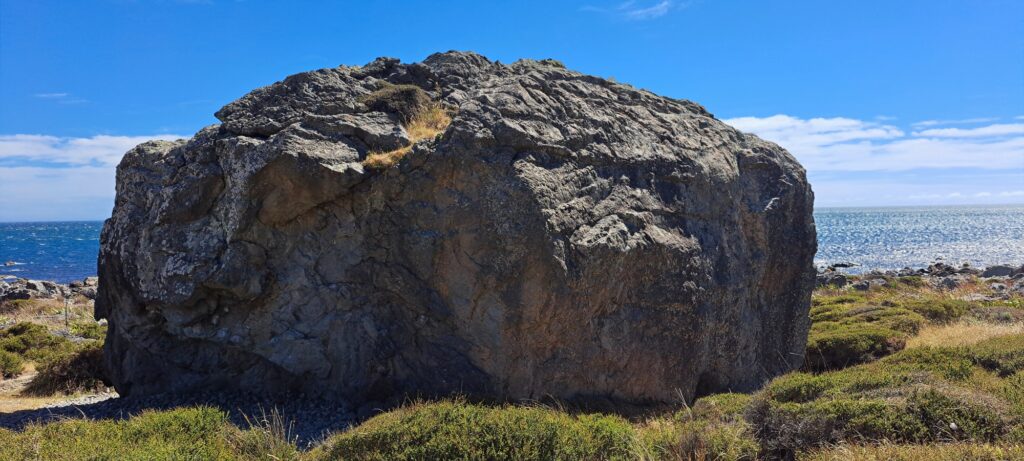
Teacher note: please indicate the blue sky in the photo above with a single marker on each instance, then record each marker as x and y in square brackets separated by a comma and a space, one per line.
[885, 103]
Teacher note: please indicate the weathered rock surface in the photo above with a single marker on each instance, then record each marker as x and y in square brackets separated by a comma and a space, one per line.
[565, 236]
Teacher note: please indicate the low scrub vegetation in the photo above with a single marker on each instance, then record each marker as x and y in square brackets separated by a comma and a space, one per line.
[853, 327]
[199, 433]
[459, 430]
[930, 452]
[63, 365]
[902, 372]
[76, 369]
[921, 395]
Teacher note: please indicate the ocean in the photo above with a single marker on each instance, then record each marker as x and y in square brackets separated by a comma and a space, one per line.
[874, 238]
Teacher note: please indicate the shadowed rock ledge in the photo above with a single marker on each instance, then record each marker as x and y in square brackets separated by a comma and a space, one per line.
[564, 236]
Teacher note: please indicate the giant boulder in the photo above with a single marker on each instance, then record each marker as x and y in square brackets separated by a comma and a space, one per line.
[565, 236]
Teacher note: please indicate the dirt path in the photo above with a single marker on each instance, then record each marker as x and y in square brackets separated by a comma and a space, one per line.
[11, 398]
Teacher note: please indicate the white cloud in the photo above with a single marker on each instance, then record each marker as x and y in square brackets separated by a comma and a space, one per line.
[633, 11]
[61, 98]
[1001, 129]
[844, 144]
[965, 121]
[51, 178]
[640, 13]
[56, 194]
[99, 150]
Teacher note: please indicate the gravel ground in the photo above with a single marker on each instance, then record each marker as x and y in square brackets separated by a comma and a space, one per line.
[312, 420]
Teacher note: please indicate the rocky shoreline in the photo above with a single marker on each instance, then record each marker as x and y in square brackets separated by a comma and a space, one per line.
[20, 288]
[937, 274]
[1004, 280]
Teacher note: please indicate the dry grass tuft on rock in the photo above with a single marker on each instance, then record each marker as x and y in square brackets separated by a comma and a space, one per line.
[407, 101]
[426, 124]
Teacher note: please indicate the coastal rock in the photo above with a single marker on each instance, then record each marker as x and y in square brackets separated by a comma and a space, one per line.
[831, 279]
[998, 271]
[564, 236]
[940, 269]
[31, 289]
[951, 282]
[906, 272]
[868, 284]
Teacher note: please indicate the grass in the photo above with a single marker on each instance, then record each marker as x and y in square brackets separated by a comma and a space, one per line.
[962, 333]
[63, 366]
[460, 430]
[11, 364]
[73, 370]
[851, 327]
[199, 433]
[920, 395]
[32, 342]
[47, 312]
[905, 372]
[425, 124]
[930, 452]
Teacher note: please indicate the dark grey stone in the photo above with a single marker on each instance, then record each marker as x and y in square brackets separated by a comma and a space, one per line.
[566, 236]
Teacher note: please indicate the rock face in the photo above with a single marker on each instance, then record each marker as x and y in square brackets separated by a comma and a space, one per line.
[564, 236]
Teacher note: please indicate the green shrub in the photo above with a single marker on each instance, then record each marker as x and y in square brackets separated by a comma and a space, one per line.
[702, 439]
[844, 331]
[78, 369]
[920, 395]
[268, 436]
[186, 434]
[848, 298]
[718, 407]
[915, 281]
[948, 417]
[1004, 355]
[89, 330]
[11, 364]
[997, 314]
[939, 309]
[714, 428]
[458, 430]
[833, 346]
[30, 340]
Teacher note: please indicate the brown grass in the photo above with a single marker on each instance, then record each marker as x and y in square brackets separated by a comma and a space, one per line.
[962, 333]
[931, 452]
[49, 312]
[424, 125]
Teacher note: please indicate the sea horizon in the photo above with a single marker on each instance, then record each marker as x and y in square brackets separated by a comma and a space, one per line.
[870, 237]
[816, 209]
